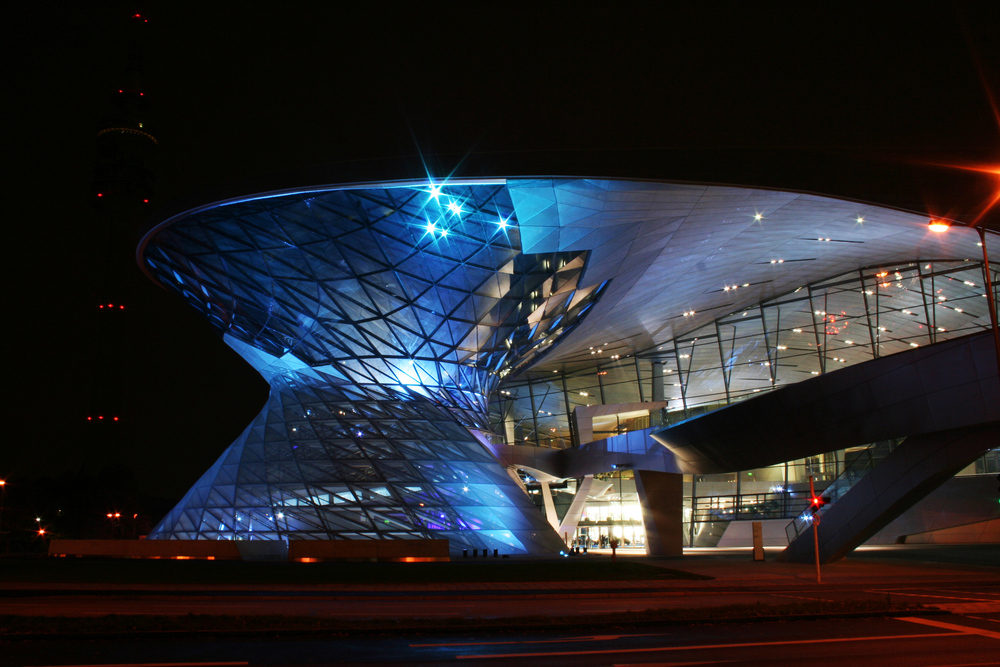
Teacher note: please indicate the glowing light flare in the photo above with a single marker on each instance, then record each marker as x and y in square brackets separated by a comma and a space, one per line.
[938, 226]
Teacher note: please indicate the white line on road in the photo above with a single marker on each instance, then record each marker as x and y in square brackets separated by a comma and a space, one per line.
[711, 646]
[950, 626]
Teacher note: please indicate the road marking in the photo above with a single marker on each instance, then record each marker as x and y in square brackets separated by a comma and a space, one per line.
[711, 646]
[590, 638]
[950, 626]
[980, 618]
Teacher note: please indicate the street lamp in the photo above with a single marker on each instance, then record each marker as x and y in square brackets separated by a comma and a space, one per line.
[939, 226]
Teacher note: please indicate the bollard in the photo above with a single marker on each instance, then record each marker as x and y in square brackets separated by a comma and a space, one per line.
[475, 553]
[465, 553]
[494, 553]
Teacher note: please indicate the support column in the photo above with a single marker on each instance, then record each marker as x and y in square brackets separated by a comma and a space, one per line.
[572, 518]
[550, 507]
[657, 381]
[661, 495]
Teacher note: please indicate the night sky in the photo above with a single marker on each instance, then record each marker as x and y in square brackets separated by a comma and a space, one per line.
[868, 102]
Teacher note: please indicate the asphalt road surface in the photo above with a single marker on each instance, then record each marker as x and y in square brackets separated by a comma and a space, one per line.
[953, 596]
[938, 641]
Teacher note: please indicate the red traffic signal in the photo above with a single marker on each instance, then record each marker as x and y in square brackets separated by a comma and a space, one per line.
[817, 503]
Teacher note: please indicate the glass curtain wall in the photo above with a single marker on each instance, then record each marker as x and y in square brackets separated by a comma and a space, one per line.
[822, 326]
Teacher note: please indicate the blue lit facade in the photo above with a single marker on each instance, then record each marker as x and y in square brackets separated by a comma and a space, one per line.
[402, 325]
[383, 319]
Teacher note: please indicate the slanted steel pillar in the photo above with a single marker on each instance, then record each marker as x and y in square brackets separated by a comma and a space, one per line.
[575, 511]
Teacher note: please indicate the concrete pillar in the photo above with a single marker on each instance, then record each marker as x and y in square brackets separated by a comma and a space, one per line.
[661, 495]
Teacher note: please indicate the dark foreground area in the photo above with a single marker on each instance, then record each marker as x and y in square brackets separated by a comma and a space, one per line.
[167, 572]
[909, 641]
[901, 605]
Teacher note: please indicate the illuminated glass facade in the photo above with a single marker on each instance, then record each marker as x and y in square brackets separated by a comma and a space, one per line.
[400, 326]
[835, 322]
[839, 321]
[383, 319]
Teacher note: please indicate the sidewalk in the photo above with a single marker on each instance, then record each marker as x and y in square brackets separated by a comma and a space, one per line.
[728, 570]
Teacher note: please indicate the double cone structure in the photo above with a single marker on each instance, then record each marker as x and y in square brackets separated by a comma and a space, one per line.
[382, 318]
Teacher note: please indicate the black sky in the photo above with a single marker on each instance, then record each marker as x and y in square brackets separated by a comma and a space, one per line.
[844, 99]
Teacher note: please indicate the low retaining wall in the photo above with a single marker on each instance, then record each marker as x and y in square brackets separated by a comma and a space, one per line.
[406, 551]
[176, 549]
[303, 551]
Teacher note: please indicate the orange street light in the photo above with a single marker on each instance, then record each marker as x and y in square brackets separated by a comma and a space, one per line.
[938, 226]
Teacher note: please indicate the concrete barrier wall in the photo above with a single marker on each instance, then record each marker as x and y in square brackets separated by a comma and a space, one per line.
[740, 534]
[177, 549]
[296, 550]
[368, 550]
[981, 532]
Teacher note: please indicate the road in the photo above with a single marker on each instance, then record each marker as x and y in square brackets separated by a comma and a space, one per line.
[955, 596]
[939, 641]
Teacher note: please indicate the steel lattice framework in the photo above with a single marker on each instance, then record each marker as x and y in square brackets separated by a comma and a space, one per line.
[382, 319]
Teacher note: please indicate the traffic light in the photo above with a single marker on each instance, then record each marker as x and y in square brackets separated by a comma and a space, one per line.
[817, 503]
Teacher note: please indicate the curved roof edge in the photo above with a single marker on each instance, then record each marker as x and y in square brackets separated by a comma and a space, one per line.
[325, 178]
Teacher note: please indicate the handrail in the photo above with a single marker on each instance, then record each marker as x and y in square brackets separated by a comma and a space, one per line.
[838, 488]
